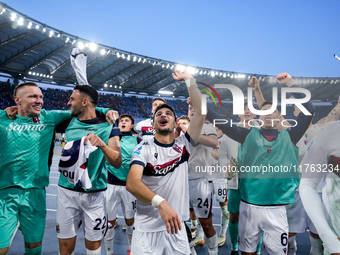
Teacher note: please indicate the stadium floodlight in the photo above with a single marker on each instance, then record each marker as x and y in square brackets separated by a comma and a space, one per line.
[93, 46]
[115, 86]
[37, 27]
[13, 16]
[102, 51]
[105, 85]
[120, 87]
[128, 57]
[123, 56]
[180, 67]
[164, 92]
[191, 70]
[67, 39]
[134, 59]
[44, 30]
[224, 75]
[51, 33]
[110, 85]
[74, 41]
[118, 55]
[81, 45]
[20, 21]
[212, 74]
[144, 60]
[58, 35]
[3, 11]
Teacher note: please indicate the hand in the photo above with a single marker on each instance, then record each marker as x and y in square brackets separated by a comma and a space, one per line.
[94, 139]
[181, 127]
[254, 83]
[229, 173]
[285, 78]
[11, 111]
[170, 217]
[112, 116]
[181, 76]
[188, 100]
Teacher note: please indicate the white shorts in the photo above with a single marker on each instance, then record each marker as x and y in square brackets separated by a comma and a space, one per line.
[271, 220]
[200, 197]
[116, 195]
[75, 208]
[221, 190]
[298, 219]
[150, 243]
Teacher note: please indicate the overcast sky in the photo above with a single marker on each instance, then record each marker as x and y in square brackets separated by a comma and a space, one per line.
[259, 37]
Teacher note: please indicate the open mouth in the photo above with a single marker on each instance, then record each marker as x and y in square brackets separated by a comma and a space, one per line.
[123, 126]
[37, 107]
[163, 122]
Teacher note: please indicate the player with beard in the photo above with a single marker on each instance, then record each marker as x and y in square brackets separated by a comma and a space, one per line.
[265, 194]
[158, 177]
[78, 203]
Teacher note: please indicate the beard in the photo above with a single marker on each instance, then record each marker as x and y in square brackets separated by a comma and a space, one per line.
[164, 132]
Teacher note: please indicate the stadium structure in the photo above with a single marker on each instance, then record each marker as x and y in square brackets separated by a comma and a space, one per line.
[33, 51]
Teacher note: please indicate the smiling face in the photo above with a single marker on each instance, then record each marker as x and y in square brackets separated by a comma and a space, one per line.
[29, 100]
[76, 103]
[270, 120]
[164, 121]
[125, 124]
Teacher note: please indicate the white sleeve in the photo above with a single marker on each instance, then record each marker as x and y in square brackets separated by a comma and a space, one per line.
[318, 154]
[223, 158]
[139, 155]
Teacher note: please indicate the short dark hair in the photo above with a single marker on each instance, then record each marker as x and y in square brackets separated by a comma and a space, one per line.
[160, 99]
[125, 115]
[89, 91]
[165, 105]
[184, 117]
[32, 84]
[269, 103]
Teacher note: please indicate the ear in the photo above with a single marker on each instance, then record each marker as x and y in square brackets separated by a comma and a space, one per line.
[17, 100]
[85, 101]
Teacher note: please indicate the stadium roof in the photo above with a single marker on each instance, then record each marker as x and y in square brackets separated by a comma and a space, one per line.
[31, 50]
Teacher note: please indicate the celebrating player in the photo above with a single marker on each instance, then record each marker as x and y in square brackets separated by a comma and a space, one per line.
[116, 193]
[158, 177]
[78, 204]
[264, 193]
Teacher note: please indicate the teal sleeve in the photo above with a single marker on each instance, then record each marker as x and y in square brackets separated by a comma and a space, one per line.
[59, 116]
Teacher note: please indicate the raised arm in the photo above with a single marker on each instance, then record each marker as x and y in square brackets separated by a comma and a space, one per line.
[303, 121]
[255, 85]
[333, 115]
[196, 123]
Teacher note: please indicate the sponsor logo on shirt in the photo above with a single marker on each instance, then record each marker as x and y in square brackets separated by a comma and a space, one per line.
[20, 128]
[91, 129]
[137, 152]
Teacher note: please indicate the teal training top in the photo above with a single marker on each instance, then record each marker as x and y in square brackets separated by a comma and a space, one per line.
[127, 145]
[96, 162]
[268, 170]
[25, 147]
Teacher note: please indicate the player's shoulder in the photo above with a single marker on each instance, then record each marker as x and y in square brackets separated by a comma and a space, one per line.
[147, 121]
[331, 126]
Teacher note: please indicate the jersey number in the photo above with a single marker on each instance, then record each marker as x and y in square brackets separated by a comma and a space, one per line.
[206, 203]
[284, 239]
[99, 222]
[221, 192]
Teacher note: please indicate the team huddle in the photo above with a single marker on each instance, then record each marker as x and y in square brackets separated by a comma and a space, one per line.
[158, 172]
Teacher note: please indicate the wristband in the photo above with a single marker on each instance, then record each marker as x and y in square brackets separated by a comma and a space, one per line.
[189, 82]
[156, 200]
